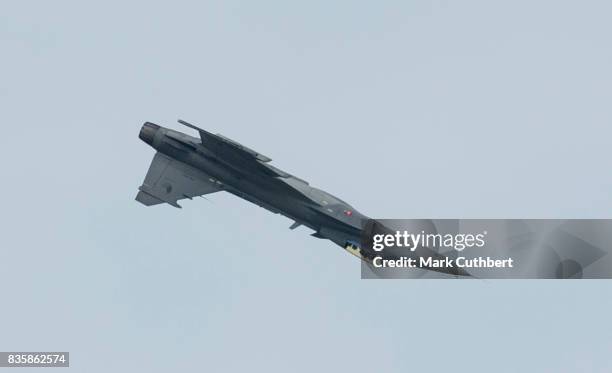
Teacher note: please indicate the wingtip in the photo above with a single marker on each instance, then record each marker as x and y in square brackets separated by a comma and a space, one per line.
[185, 123]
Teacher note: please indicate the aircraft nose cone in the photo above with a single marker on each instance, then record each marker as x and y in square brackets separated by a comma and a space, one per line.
[148, 131]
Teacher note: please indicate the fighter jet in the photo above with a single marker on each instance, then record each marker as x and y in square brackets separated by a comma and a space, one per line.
[185, 167]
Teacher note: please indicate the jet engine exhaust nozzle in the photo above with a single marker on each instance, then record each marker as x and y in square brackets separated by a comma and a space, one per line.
[148, 131]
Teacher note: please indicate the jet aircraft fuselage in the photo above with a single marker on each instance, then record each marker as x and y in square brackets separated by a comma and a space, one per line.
[215, 163]
[186, 167]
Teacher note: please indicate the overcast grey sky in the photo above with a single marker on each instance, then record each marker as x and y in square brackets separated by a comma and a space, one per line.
[479, 109]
